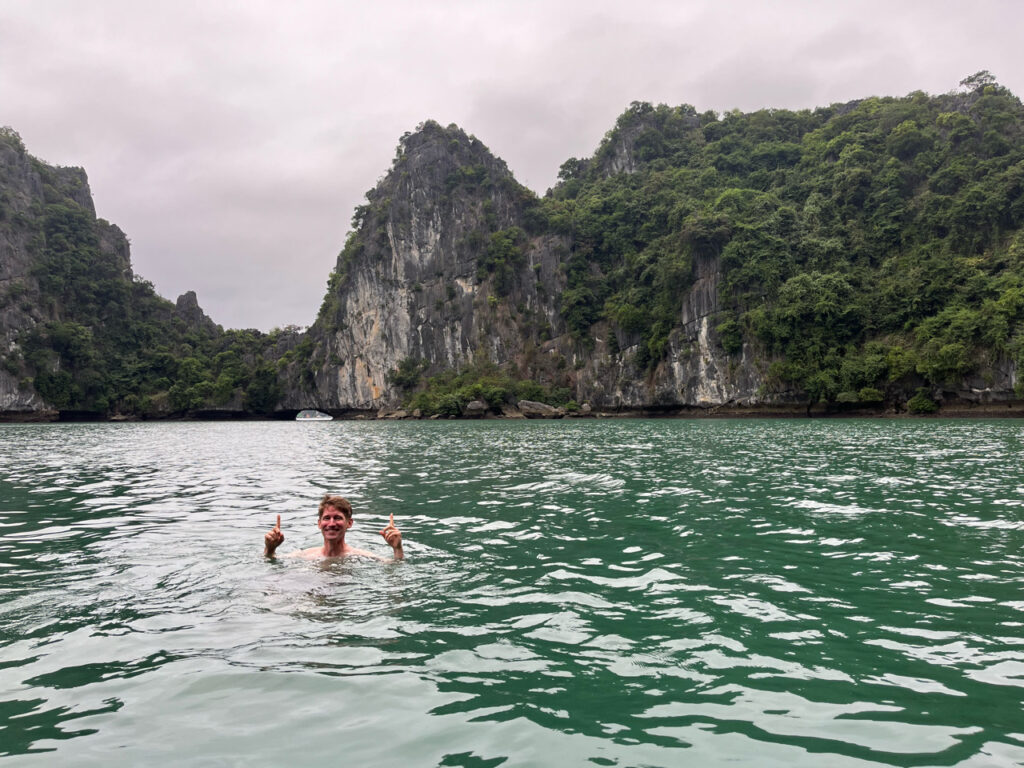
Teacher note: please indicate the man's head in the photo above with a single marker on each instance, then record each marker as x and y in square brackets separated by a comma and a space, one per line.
[340, 503]
[334, 518]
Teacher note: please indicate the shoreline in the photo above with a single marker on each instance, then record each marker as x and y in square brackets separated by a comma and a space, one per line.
[1007, 409]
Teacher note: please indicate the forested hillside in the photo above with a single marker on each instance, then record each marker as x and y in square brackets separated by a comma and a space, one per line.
[86, 335]
[863, 255]
[865, 248]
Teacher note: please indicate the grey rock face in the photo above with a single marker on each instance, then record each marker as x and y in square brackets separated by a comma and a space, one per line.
[20, 186]
[534, 410]
[408, 282]
[475, 409]
[26, 186]
[697, 371]
[409, 285]
[187, 307]
[15, 400]
[508, 412]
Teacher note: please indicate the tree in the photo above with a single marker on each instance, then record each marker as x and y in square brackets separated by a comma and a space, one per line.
[978, 80]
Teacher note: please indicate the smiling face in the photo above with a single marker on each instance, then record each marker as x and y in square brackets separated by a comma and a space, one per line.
[333, 523]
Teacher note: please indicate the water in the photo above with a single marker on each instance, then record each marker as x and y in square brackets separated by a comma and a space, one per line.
[628, 593]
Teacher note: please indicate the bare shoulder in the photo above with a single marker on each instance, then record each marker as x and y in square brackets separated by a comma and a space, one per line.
[313, 553]
[363, 553]
[317, 553]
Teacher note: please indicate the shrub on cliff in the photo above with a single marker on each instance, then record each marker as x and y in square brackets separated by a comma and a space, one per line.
[921, 402]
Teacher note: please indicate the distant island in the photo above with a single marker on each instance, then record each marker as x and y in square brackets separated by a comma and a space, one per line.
[865, 257]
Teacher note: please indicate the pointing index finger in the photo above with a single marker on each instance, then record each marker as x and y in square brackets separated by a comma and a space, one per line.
[392, 522]
[278, 526]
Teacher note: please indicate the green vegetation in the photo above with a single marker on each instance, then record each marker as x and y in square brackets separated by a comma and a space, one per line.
[116, 347]
[407, 375]
[448, 393]
[921, 403]
[870, 246]
[503, 258]
[870, 253]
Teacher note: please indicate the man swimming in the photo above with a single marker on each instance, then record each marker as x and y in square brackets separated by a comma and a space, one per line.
[334, 519]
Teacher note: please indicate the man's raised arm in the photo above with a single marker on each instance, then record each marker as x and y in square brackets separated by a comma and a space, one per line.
[393, 537]
[272, 540]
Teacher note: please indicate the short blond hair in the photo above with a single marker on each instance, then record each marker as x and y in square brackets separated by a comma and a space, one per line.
[340, 503]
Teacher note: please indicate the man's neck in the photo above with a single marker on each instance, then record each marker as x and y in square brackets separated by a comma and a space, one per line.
[335, 548]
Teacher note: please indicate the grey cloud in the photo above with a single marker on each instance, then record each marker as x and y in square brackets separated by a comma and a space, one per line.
[232, 141]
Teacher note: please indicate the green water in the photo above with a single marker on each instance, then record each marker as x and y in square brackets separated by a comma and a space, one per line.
[628, 593]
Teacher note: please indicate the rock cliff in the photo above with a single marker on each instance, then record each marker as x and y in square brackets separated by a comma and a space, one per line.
[79, 333]
[24, 185]
[409, 283]
[696, 261]
[863, 255]
[696, 372]
[444, 266]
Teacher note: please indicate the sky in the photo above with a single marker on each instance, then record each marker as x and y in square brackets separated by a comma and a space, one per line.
[231, 141]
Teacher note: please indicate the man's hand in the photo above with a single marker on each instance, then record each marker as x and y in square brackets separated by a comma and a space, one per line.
[393, 537]
[273, 539]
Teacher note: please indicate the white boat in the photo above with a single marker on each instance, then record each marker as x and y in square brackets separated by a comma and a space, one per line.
[311, 415]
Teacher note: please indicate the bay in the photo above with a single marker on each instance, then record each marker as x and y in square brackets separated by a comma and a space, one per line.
[586, 592]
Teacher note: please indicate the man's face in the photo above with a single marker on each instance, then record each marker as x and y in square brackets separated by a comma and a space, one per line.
[333, 523]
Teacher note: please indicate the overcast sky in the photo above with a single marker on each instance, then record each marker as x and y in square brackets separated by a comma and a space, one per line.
[232, 140]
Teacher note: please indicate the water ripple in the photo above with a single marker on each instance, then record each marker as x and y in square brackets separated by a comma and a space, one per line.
[576, 593]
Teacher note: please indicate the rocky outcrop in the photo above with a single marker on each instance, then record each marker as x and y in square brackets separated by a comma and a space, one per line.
[69, 301]
[637, 135]
[450, 262]
[534, 410]
[410, 281]
[475, 409]
[697, 371]
[21, 185]
[413, 283]
[17, 399]
[188, 309]
[29, 191]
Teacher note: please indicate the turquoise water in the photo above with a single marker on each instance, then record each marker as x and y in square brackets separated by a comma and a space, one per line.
[576, 593]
